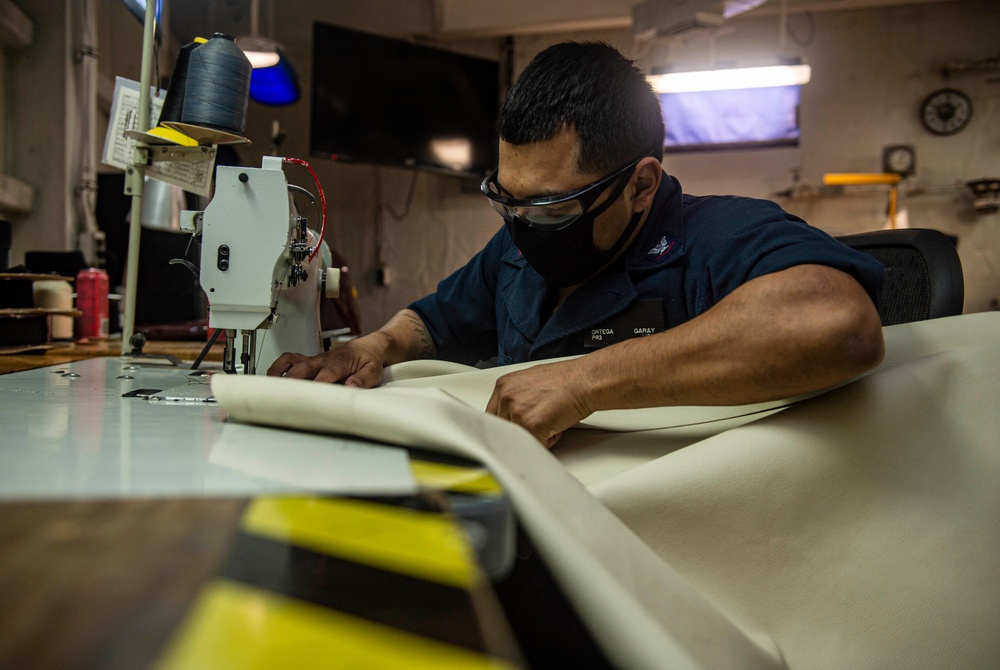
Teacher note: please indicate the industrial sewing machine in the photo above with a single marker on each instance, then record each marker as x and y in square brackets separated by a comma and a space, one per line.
[260, 268]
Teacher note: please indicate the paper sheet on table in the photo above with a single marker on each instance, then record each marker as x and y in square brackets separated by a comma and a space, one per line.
[316, 462]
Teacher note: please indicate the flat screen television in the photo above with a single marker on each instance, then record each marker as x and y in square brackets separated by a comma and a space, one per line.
[390, 102]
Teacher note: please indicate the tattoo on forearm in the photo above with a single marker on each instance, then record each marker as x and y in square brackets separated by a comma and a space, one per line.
[427, 348]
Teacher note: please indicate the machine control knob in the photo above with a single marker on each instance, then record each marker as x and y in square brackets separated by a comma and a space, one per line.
[222, 261]
[331, 283]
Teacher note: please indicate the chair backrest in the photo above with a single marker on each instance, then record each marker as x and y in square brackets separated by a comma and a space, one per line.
[923, 273]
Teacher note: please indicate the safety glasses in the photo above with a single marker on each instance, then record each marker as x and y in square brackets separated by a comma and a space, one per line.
[554, 212]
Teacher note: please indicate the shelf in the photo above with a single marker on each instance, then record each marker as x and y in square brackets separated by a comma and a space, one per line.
[16, 196]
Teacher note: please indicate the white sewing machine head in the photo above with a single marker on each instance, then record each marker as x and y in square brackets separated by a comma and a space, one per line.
[258, 268]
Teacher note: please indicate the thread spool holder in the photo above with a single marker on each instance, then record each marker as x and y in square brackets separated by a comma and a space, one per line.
[145, 154]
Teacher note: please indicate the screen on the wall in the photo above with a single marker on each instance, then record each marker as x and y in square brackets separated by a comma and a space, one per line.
[741, 118]
[391, 102]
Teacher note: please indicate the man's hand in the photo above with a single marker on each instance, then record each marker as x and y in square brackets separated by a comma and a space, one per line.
[545, 399]
[360, 362]
[357, 363]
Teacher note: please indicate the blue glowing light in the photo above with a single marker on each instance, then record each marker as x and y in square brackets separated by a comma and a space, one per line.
[276, 85]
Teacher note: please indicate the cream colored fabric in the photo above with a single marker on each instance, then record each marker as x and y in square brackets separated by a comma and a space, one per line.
[474, 386]
[641, 611]
[857, 529]
[622, 440]
[860, 529]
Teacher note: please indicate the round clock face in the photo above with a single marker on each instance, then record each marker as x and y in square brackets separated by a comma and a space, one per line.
[945, 112]
[899, 159]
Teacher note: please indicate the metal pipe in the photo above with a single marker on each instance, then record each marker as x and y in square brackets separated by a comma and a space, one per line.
[135, 177]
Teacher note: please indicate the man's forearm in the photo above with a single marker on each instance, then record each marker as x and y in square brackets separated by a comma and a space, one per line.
[405, 338]
[794, 332]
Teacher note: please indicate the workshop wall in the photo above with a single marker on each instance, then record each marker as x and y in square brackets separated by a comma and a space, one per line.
[871, 70]
[374, 222]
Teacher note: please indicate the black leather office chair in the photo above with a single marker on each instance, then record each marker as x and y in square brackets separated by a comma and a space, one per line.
[923, 273]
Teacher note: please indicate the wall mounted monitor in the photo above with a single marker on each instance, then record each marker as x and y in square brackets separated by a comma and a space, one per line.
[386, 101]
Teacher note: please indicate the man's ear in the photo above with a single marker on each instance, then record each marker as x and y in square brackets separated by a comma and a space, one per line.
[648, 175]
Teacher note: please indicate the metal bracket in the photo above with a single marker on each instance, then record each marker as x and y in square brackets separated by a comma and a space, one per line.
[180, 154]
[134, 173]
[146, 155]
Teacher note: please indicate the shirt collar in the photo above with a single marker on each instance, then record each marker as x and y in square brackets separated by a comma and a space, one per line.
[662, 236]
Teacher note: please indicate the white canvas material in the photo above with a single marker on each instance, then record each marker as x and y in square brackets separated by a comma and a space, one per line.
[854, 528]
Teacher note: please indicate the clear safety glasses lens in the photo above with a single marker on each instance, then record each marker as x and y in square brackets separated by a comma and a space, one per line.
[550, 217]
[551, 213]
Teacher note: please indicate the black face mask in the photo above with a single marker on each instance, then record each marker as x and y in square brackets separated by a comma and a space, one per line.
[567, 257]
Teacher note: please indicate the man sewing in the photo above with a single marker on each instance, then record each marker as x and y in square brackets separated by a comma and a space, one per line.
[675, 299]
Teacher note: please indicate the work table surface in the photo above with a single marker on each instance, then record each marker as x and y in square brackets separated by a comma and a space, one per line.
[140, 532]
[68, 352]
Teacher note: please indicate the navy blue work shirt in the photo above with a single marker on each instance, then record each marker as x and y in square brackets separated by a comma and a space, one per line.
[691, 252]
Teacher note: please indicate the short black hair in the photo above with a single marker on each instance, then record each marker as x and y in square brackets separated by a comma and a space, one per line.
[594, 89]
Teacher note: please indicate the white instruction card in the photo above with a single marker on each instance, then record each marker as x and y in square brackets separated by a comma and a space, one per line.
[119, 149]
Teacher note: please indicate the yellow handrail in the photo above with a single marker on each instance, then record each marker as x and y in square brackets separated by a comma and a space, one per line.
[858, 178]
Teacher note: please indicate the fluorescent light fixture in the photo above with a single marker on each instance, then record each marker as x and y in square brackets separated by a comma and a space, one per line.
[731, 8]
[730, 79]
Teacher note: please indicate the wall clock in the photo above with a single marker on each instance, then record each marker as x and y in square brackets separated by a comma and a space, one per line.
[899, 159]
[946, 111]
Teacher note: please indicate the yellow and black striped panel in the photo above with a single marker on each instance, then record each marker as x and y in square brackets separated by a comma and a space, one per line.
[419, 543]
[343, 583]
[239, 626]
[439, 476]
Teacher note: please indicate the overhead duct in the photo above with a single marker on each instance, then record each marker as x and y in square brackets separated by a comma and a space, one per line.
[672, 18]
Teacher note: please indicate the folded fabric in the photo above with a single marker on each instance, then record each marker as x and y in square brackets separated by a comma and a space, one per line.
[854, 528]
[642, 612]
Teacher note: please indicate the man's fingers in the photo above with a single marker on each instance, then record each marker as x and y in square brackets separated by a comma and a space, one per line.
[281, 365]
[330, 372]
[369, 376]
[493, 406]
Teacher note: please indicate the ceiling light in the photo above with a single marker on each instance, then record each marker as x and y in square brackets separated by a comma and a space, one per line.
[260, 51]
[273, 80]
[729, 79]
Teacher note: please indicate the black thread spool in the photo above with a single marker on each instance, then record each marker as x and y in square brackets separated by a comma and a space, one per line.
[218, 86]
[173, 103]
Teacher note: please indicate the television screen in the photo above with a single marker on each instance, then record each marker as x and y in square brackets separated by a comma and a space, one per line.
[390, 102]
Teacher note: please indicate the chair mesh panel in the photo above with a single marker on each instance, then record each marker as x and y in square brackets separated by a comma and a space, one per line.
[906, 292]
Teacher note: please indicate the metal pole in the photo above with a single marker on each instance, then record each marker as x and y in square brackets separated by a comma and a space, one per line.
[135, 176]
